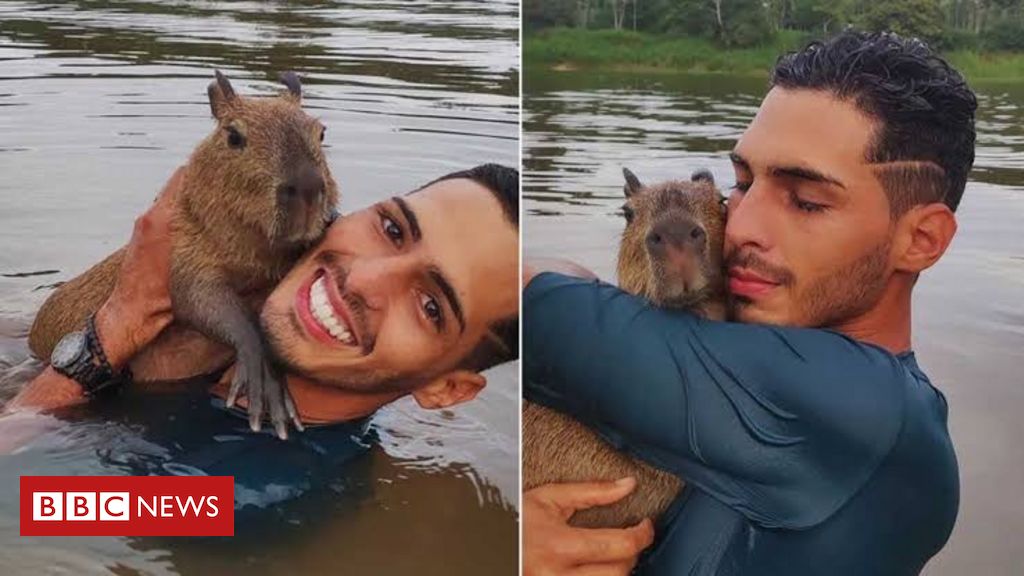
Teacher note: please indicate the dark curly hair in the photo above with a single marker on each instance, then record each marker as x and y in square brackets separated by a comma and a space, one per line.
[925, 142]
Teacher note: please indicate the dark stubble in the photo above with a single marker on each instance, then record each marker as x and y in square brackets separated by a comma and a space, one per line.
[829, 301]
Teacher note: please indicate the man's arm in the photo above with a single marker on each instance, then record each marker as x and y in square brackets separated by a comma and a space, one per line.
[781, 424]
[136, 311]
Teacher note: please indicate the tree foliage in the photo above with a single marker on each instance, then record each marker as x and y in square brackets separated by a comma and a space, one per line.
[918, 18]
[991, 24]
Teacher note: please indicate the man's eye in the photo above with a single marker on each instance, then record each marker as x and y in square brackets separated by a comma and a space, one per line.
[804, 206]
[432, 309]
[393, 230]
[741, 186]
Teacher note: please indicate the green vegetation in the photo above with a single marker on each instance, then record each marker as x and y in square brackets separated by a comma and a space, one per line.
[640, 51]
[983, 38]
[620, 49]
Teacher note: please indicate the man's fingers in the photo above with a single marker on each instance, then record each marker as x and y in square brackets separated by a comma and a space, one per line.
[158, 217]
[170, 191]
[620, 569]
[571, 497]
[600, 546]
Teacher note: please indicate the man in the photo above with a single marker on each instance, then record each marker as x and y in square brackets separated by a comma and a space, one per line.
[392, 302]
[805, 451]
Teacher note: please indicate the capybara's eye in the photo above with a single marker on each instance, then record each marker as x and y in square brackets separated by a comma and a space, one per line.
[235, 138]
[627, 213]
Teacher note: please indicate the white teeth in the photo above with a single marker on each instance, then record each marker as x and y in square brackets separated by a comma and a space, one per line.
[324, 314]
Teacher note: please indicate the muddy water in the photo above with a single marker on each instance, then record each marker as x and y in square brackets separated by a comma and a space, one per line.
[581, 128]
[99, 101]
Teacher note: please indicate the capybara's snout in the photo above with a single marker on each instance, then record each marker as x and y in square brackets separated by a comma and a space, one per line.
[676, 234]
[302, 202]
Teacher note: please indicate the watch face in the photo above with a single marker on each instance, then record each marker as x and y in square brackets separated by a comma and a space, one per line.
[68, 350]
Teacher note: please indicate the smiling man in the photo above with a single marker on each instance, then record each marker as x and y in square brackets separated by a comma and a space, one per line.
[393, 301]
[810, 440]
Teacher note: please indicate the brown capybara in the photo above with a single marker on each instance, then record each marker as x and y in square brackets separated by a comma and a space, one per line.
[671, 254]
[257, 194]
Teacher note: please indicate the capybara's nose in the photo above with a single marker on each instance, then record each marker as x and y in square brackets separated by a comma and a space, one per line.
[307, 185]
[677, 234]
[310, 184]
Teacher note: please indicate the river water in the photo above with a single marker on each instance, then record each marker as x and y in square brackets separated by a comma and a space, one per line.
[100, 101]
[581, 128]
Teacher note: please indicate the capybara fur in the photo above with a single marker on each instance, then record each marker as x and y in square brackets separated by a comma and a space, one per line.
[257, 193]
[671, 254]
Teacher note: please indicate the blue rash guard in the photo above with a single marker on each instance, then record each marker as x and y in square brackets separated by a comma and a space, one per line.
[804, 452]
[192, 433]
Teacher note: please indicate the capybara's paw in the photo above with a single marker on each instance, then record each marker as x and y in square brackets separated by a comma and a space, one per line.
[266, 394]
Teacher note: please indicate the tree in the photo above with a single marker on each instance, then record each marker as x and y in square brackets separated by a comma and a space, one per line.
[920, 18]
[545, 13]
[742, 22]
[619, 13]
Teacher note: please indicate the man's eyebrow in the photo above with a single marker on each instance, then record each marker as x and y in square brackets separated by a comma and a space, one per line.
[800, 172]
[410, 217]
[449, 293]
[804, 173]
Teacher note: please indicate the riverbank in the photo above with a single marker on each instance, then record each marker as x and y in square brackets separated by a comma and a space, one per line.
[570, 48]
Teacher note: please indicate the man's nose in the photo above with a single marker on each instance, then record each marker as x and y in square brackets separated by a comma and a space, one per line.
[376, 279]
[748, 219]
[676, 234]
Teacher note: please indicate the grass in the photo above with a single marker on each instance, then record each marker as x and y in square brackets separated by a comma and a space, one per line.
[559, 48]
[988, 65]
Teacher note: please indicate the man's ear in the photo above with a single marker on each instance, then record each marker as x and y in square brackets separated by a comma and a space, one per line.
[450, 389]
[924, 233]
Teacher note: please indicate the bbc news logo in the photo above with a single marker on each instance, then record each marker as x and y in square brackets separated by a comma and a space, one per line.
[127, 506]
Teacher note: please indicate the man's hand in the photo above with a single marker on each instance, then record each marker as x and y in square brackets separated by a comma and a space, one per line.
[551, 547]
[134, 314]
[140, 305]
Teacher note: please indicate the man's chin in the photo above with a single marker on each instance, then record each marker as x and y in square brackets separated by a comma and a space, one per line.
[748, 312]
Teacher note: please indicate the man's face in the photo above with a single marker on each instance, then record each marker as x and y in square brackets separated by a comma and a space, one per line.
[809, 231]
[398, 293]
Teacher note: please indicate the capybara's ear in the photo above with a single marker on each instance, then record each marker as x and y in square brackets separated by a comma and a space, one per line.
[222, 95]
[703, 175]
[633, 184]
[291, 80]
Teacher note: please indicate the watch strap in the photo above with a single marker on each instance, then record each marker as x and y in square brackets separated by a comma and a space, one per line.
[103, 378]
[92, 369]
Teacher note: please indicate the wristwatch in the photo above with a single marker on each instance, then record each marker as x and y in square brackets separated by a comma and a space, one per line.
[79, 356]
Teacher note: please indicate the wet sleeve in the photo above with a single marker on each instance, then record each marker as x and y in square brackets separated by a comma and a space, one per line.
[781, 424]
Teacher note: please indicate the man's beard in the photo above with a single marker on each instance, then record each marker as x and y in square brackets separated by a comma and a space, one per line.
[830, 301]
[277, 326]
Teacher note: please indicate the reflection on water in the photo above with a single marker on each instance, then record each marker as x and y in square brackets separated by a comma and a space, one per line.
[100, 100]
[580, 129]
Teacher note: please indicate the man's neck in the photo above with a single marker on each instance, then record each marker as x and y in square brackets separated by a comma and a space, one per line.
[320, 404]
[888, 323]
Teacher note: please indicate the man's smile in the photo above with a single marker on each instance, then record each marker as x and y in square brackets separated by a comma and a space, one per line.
[744, 282]
[324, 314]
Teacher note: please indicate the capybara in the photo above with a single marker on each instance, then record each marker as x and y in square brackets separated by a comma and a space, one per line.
[257, 194]
[671, 254]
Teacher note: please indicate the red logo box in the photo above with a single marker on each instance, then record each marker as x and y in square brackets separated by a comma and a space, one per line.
[127, 506]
